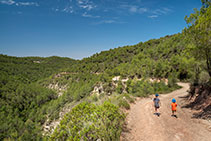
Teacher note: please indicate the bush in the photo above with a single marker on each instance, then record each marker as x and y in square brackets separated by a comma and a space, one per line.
[90, 122]
[171, 81]
[124, 104]
[140, 93]
[120, 88]
[203, 77]
[94, 97]
[160, 87]
[140, 88]
[129, 98]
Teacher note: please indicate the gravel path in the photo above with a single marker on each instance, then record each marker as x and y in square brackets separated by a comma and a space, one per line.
[144, 125]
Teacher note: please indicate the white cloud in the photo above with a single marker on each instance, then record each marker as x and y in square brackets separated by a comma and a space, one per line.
[27, 4]
[76, 6]
[68, 9]
[162, 11]
[134, 8]
[80, 1]
[8, 2]
[88, 7]
[86, 4]
[105, 22]
[142, 10]
[12, 2]
[167, 9]
[89, 16]
[153, 16]
[57, 10]
[108, 22]
[158, 12]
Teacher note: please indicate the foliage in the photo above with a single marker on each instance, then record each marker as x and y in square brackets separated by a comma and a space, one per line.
[21, 97]
[140, 88]
[203, 77]
[18, 111]
[199, 34]
[90, 122]
[143, 88]
[128, 97]
[124, 104]
[120, 88]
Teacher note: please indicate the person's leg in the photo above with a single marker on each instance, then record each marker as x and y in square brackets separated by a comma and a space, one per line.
[175, 114]
[172, 112]
[158, 113]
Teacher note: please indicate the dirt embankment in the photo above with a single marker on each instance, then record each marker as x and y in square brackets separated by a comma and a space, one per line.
[200, 99]
[143, 125]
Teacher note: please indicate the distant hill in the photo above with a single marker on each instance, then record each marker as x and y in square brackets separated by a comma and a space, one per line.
[33, 68]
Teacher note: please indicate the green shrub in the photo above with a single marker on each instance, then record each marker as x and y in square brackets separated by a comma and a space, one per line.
[120, 88]
[147, 87]
[171, 81]
[101, 95]
[203, 77]
[140, 93]
[129, 98]
[160, 87]
[140, 88]
[90, 122]
[94, 97]
[124, 104]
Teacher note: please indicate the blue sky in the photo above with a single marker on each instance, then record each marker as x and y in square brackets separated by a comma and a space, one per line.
[80, 28]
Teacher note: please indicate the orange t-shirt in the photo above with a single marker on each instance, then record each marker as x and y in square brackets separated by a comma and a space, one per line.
[174, 106]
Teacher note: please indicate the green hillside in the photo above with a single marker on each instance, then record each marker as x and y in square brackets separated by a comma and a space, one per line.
[20, 92]
[27, 102]
[34, 91]
[157, 58]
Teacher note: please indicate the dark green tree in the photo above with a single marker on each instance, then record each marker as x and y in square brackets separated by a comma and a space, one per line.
[199, 33]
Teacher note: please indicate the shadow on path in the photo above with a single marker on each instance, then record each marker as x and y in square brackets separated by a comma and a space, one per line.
[157, 114]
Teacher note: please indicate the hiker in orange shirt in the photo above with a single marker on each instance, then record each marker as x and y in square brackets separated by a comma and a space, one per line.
[174, 107]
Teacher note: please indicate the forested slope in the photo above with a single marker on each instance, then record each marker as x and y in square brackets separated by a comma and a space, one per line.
[34, 90]
[27, 101]
[20, 95]
[154, 58]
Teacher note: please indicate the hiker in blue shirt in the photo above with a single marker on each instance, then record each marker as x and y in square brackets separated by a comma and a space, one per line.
[157, 104]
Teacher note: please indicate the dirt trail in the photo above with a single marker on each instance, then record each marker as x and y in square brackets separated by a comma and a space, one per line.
[143, 125]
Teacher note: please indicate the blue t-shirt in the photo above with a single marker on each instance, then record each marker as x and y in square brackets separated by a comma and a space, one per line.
[156, 102]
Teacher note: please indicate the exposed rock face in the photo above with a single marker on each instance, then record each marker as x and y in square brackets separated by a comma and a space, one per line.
[98, 89]
[50, 126]
[159, 80]
[59, 88]
[116, 78]
[36, 62]
[125, 80]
